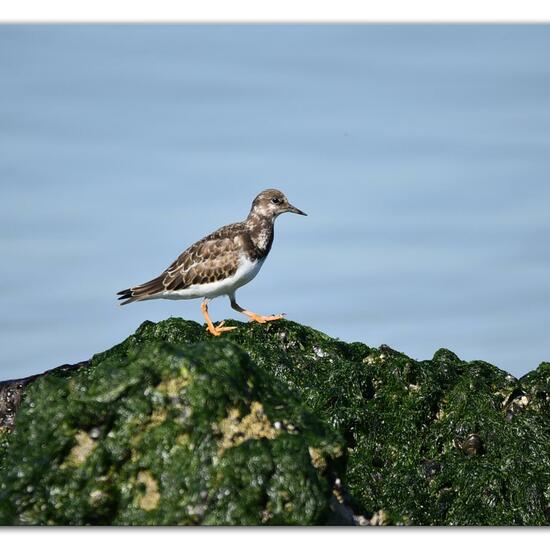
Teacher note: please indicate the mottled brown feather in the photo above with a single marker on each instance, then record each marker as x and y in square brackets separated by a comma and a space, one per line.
[216, 256]
[213, 258]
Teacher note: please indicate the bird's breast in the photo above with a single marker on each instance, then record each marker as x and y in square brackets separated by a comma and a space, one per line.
[263, 238]
[247, 270]
[260, 241]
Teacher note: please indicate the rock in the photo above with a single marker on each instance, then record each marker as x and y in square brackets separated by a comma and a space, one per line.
[167, 434]
[473, 445]
[274, 424]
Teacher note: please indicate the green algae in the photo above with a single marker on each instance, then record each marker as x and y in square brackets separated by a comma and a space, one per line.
[254, 427]
[136, 440]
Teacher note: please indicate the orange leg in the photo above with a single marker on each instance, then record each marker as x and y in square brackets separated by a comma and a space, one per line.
[254, 316]
[261, 318]
[216, 331]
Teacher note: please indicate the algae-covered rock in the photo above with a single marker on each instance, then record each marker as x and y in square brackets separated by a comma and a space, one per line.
[175, 426]
[166, 435]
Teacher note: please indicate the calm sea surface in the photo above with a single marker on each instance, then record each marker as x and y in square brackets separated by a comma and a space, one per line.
[420, 153]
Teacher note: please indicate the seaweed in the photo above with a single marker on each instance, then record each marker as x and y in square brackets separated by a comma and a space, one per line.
[273, 424]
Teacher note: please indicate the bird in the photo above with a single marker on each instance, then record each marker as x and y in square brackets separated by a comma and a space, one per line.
[220, 263]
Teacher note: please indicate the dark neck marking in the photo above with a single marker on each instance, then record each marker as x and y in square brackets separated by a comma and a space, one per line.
[260, 233]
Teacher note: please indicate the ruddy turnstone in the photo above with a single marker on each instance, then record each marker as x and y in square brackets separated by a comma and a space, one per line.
[221, 262]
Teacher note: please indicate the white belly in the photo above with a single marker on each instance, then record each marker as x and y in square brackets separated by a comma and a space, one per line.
[246, 271]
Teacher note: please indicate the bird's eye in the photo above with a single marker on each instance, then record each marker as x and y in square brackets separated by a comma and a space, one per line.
[275, 200]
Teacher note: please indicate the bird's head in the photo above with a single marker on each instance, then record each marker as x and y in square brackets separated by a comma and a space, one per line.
[272, 202]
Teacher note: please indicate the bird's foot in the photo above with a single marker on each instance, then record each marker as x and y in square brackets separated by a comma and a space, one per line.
[218, 330]
[263, 318]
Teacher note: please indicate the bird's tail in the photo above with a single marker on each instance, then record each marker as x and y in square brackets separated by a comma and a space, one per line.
[141, 292]
[127, 296]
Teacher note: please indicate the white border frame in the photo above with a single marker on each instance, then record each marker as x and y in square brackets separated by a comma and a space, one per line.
[275, 11]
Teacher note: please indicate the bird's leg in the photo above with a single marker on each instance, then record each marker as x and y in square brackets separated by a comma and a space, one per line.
[216, 331]
[262, 318]
[254, 316]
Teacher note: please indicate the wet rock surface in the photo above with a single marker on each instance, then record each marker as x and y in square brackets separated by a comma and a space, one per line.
[273, 424]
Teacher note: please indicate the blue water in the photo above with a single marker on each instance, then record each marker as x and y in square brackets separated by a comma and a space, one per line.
[420, 153]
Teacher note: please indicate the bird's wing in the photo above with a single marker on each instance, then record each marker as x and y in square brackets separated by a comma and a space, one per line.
[207, 261]
[213, 258]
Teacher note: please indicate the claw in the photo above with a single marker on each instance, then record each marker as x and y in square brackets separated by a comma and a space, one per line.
[217, 331]
[264, 318]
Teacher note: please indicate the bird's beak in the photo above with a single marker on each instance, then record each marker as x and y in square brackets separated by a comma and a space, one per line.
[295, 210]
